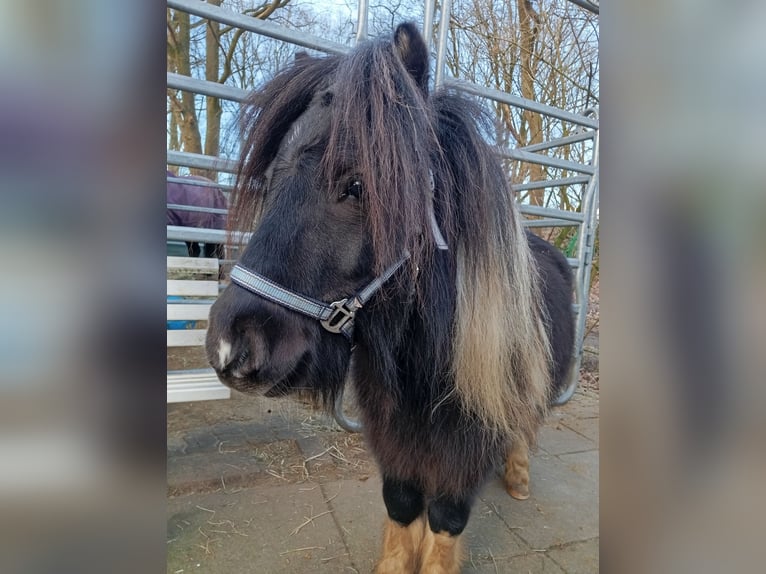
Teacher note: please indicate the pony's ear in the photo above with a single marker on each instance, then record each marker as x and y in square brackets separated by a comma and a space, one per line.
[413, 52]
[301, 55]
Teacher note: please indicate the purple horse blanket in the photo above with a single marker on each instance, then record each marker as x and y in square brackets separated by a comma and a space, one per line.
[196, 196]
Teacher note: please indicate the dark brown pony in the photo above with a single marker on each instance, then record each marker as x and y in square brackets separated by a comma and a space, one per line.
[457, 354]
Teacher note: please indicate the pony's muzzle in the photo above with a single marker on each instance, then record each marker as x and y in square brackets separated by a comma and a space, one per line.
[251, 343]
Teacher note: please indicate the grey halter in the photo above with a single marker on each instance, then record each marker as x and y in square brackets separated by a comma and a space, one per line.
[336, 317]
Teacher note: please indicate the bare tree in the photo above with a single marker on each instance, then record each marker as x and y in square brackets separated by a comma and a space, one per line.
[546, 51]
[184, 42]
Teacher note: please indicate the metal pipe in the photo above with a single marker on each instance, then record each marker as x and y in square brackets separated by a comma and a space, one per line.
[570, 139]
[263, 27]
[441, 46]
[181, 207]
[205, 88]
[199, 183]
[551, 212]
[361, 20]
[550, 183]
[542, 159]
[549, 223]
[582, 275]
[200, 161]
[180, 233]
[428, 21]
[343, 421]
[498, 96]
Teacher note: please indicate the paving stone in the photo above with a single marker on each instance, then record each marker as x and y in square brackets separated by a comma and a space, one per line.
[577, 558]
[176, 445]
[201, 440]
[560, 439]
[527, 564]
[226, 467]
[360, 513]
[562, 508]
[583, 463]
[585, 427]
[488, 538]
[255, 530]
[229, 432]
[580, 406]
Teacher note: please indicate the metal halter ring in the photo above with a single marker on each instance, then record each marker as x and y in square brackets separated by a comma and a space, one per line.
[343, 312]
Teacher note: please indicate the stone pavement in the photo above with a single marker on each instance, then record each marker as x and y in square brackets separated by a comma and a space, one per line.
[270, 486]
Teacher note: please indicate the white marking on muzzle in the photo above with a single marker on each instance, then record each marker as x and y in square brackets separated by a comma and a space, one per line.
[224, 352]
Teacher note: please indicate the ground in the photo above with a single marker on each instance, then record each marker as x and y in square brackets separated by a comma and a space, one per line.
[272, 486]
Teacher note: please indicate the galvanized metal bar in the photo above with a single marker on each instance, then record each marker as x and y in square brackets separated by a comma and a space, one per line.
[551, 183]
[542, 159]
[179, 233]
[205, 87]
[441, 45]
[199, 161]
[199, 183]
[263, 27]
[498, 96]
[428, 21]
[363, 14]
[585, 249]
[551, 212]
[574, 263]
[558, 142]
[181, 207]
[343, 421]
[548, 223]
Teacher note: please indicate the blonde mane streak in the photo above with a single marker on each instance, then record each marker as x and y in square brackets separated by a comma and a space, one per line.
[502, 354]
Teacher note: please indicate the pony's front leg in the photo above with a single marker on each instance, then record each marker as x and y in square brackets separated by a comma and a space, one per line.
[441, 552]
[517, 470]
[404, 528]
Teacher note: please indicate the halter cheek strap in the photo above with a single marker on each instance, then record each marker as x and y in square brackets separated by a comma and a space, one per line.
[335, 317]
[435, 231]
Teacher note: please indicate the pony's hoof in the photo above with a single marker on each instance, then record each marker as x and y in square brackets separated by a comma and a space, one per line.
[519, 492]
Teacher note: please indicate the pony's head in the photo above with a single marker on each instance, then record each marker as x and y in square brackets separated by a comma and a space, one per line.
[334, 185]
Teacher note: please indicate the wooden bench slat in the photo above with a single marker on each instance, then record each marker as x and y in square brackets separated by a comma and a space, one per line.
[201, 385]
[186, 337]
[194, 264]
[190, 312]
[191, 287]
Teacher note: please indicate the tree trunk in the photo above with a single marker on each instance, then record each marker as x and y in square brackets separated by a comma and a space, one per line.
[213, 105]
[528, 20]
[179, 41]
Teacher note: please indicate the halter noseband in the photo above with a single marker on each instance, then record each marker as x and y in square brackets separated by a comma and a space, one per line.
[336, 317]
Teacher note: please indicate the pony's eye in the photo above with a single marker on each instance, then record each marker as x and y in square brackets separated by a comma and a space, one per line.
[354, 189]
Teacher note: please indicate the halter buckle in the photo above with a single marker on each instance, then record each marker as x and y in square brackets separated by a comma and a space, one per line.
[343, 312]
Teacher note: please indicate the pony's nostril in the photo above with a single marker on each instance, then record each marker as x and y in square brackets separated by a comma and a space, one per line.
[244, 355]
[239, 365]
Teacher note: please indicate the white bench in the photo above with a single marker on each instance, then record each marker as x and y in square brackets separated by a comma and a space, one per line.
[195, 299]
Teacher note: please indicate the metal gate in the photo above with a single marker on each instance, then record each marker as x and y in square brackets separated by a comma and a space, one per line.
[586, 220]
